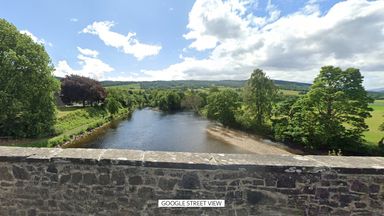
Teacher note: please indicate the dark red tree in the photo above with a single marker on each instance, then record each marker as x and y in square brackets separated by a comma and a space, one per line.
[79, 89]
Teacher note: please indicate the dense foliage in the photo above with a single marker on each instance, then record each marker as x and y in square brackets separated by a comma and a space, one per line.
[78, 89]
[332, 114]
[113, 106]
[193, 101]
[259, 95]
[165, 100]
[27, 86]
[127, 98]
[222, 106]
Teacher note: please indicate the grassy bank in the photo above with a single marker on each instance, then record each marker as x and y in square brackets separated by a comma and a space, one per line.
[71, 122]
[374, 135]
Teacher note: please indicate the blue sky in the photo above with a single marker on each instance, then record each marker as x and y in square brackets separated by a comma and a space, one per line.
[205, 39]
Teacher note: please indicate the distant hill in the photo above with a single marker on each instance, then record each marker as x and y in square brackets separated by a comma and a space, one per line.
[376, 95]
[288, 85]
[381, 90]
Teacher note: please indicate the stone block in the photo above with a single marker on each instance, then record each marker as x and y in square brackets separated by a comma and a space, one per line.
[285, 181]
[167, 184]
[358, 186]
[89, 178]
[190, 181]
[135, 180]
[20, 172]
[118, 177]
[5, 174]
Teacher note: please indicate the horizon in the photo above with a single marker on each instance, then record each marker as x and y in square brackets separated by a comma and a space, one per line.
[208, 40]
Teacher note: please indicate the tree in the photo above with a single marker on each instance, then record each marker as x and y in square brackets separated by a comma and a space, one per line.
[282, 114]
[222, 106]
[169, 100]
[78, 89]
[27, 87]
[192, 101]
[381, 142]
[113, 106]
[332, 114]
[123, 96]
[259, 94]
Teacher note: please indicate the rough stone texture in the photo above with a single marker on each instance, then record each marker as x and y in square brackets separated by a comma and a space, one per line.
[37, 181]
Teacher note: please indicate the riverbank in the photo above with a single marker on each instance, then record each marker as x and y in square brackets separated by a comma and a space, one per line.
[72, 123]
[79, 139]
[249, 142]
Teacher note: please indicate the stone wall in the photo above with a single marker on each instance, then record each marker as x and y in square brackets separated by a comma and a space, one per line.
[57, 181]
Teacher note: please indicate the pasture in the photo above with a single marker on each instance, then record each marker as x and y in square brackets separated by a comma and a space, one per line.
[374, 135]
[127, 86]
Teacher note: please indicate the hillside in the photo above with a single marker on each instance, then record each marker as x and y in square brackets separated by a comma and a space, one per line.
[380, 90]
[288, 85]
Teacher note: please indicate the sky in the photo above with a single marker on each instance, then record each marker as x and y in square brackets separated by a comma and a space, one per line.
[205, 39]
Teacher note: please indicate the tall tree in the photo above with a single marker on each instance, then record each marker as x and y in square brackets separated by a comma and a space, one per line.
[222, 106]
[332, 114]
[259, 94]
[80, 89]
[27, 86]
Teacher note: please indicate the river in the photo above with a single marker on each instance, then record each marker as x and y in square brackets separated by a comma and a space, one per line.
[152, 130]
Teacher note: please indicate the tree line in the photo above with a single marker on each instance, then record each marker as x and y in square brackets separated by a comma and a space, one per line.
[330, 116]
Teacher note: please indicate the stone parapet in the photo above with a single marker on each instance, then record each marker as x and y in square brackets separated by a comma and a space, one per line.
[43, 181]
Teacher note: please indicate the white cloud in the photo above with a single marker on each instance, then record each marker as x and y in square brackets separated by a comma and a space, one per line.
[127, 43]
[290, 47]
[91, 66]
[74, 20]
[213, 21]
[88, 52]
[36, 39]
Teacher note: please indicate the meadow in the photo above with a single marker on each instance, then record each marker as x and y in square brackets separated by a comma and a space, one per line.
[127, 86]
[374, 135]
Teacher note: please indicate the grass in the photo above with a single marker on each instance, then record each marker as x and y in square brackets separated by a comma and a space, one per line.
[77, 117]
[128, 86]
[72, 121]
[374, 135]
[63, 111]
[290, 92]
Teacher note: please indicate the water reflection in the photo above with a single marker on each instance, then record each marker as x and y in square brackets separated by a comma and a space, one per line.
[148, 129]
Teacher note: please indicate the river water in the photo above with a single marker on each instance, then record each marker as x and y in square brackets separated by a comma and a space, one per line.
[148, 129]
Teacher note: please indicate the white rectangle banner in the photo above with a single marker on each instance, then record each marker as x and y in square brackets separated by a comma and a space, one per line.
[183, 203]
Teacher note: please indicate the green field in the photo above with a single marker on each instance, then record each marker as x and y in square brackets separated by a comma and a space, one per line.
[127, 86]
[374, 135]
[290, 92]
